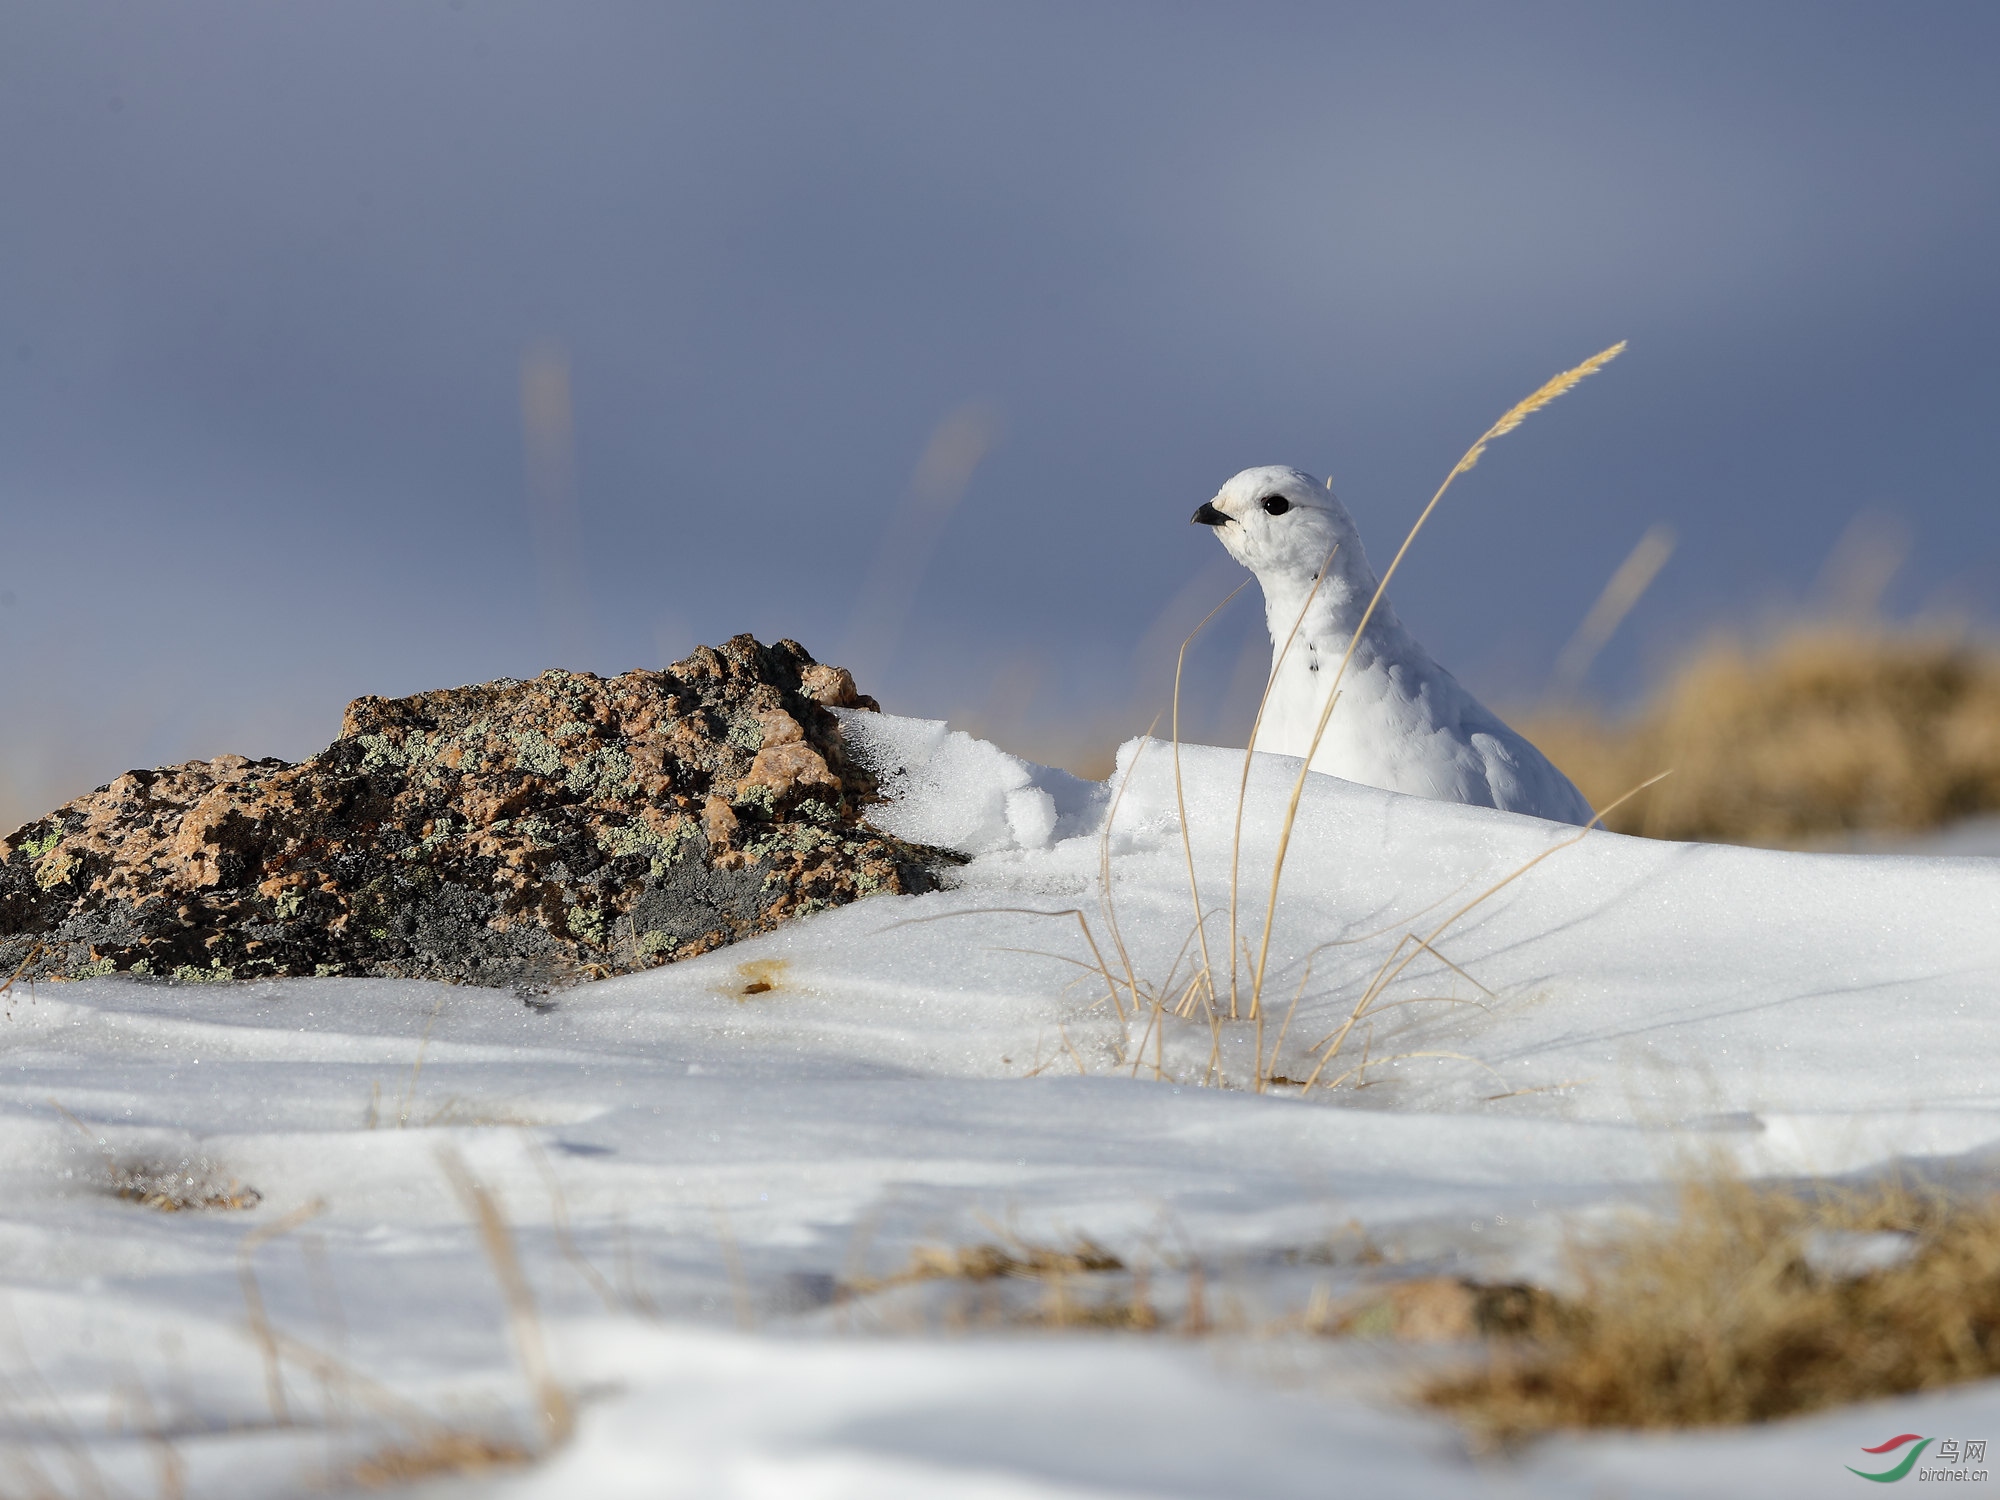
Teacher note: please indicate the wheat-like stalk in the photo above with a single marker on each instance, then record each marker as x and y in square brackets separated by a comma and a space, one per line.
[1509, 420]
[1249, 755]
[1180, 796]
[1521, 410]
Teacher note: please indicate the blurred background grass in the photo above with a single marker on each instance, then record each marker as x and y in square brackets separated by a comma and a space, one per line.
[1806, 737]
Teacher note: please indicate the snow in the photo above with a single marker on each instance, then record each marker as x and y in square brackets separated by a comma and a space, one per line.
[689, 1170]
[955, 792]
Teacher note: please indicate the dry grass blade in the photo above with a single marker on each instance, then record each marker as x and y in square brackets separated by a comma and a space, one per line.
[432, 1448]
[1200, 987]
[732, 1258]
[170, 1467]
[1193, 990]
[1621, 592]
[1267, 1075]
[1426, 946]
[1392, 969]
[25, 1389]
[1180, 796]
[1082, 921]
[1512, 418]
[417, 1067]
[558, 1416]
[565, 1240]
[1249, 753]
[1539, 1088]
[1266, 1070]
[253, 1301]
[1267, 1067]
[1107, 903]
[97, 1142]
[1574, 839]
[1521, 410]
[34, 953]
[1360, 1069]
[447, 1451]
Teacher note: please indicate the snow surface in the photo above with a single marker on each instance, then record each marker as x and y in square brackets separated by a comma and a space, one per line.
[690, 1165]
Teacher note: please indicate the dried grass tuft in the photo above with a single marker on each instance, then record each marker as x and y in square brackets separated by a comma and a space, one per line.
[187, 1185]
[1824, 732]
[1435, 1309]
[180, 1184]
[991, 1262]
[1077, 1285]
[1724, 1315]
[442, 1453]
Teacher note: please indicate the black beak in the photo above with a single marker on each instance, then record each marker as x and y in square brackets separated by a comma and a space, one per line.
[1208, 515]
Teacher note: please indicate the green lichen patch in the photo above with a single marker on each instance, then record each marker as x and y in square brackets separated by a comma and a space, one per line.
[380, 753]
[601, 774]
[216, 973]
[536, 752]
[586, 925]
[35, 848]
[638, 838]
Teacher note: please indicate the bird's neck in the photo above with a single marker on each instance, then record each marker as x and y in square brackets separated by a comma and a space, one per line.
[1334, 612]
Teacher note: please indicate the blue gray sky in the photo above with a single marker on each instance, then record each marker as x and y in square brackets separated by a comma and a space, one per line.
[371, 347]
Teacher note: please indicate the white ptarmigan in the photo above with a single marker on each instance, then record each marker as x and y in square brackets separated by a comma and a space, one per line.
[1403, 722]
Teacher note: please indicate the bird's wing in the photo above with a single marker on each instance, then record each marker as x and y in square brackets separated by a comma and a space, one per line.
[1491, 764]
[1523, 780]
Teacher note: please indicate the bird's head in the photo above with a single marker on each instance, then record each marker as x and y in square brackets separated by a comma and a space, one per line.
[1281, 523]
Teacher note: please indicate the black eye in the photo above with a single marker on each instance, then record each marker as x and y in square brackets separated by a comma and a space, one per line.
[1275, 505]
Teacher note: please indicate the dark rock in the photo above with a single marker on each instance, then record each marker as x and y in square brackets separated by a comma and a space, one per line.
[512, 833]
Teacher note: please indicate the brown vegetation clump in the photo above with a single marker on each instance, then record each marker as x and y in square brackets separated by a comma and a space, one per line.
[1741, 1310]
[990, 1262]
[1435, 1310]
[1828, 731]
[444, 1453]
[1078, 1285]
[181, 1186]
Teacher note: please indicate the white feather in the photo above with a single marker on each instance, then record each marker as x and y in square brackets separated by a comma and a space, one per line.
[1403, 722]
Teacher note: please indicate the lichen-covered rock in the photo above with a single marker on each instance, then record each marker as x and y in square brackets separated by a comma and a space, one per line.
[512, 833]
